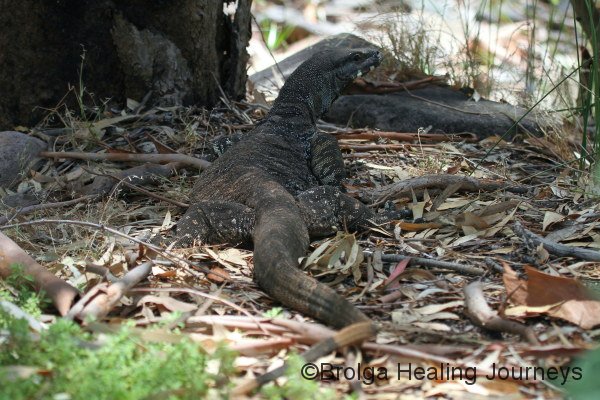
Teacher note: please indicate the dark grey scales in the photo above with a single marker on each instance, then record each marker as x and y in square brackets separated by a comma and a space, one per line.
[280, 185]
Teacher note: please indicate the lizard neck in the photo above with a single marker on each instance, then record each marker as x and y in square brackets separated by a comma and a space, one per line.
[296, 123]
[305, 97]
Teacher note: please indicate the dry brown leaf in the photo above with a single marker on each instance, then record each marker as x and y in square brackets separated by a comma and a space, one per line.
[494, 141]
[169, 303]
[234, 256]
[417, 209]
[454, 203]
[550, 218]
[439, 315]
[219, 276]
[528, 311]
[166, 224]
[464, 239]
[340, 254]
[453, 169]
[416, 227]
[573, 301]
[436, 308]
[492, 209]
[165, 275]
[500, 225]
[392, 281]
[227, 257]
[434, 326]
[469, 219]
[541, 254]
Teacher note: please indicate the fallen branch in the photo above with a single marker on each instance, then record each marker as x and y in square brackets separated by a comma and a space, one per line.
[139, 175]
[371, 147]
[352, 334]
[408, 137]
[427, 262]
[255, 321]
[439, 181]
[45, 206]
[101, 299]
[60, 292]
[141, 158]
[253, 348]
[557, 249]
[480, 313]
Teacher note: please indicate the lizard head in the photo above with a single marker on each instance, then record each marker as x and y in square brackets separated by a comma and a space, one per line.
[349, 64]
[317, 82]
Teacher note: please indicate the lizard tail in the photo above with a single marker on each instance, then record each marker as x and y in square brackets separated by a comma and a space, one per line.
[280, 238]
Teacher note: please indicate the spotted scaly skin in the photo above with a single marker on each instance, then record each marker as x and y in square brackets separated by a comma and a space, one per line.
[279, 185]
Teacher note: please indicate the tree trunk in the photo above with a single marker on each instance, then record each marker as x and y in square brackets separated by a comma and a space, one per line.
[170, 51]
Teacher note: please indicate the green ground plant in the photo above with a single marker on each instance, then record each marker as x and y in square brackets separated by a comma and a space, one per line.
[64, 361]
[68, 362]
[18, 289]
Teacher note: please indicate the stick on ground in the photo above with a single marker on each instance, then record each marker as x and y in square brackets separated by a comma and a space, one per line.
[141, 158]
[427, 262]
[60, 292]
[439, 181]
[478, 311]
[557, 249]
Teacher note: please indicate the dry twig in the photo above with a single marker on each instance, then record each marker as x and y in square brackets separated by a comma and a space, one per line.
[478, 310]
[140, 158]
[350, 335]
[427, 262]
[406, 136]
[101, 299]
[45, 206]
[557, 249]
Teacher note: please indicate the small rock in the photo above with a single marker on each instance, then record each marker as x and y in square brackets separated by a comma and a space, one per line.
[17, 154]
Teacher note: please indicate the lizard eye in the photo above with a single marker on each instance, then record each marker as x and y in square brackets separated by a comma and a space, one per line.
[356, 57]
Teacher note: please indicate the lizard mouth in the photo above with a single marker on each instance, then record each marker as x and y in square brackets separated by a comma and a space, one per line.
[369, 64]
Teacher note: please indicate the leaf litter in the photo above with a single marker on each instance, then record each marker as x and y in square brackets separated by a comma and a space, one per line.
[421, 309]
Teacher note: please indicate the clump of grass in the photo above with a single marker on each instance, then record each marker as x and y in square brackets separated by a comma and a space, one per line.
[413, 46]
[18, 289]
[69, 362]
[66, 362]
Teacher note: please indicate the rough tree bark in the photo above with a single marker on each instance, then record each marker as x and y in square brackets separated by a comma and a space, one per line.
[179, 51]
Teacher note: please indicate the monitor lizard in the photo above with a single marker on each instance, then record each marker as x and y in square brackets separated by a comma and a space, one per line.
[280, 184]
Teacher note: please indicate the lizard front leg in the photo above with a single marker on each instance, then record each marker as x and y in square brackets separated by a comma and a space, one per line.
[326, 210]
